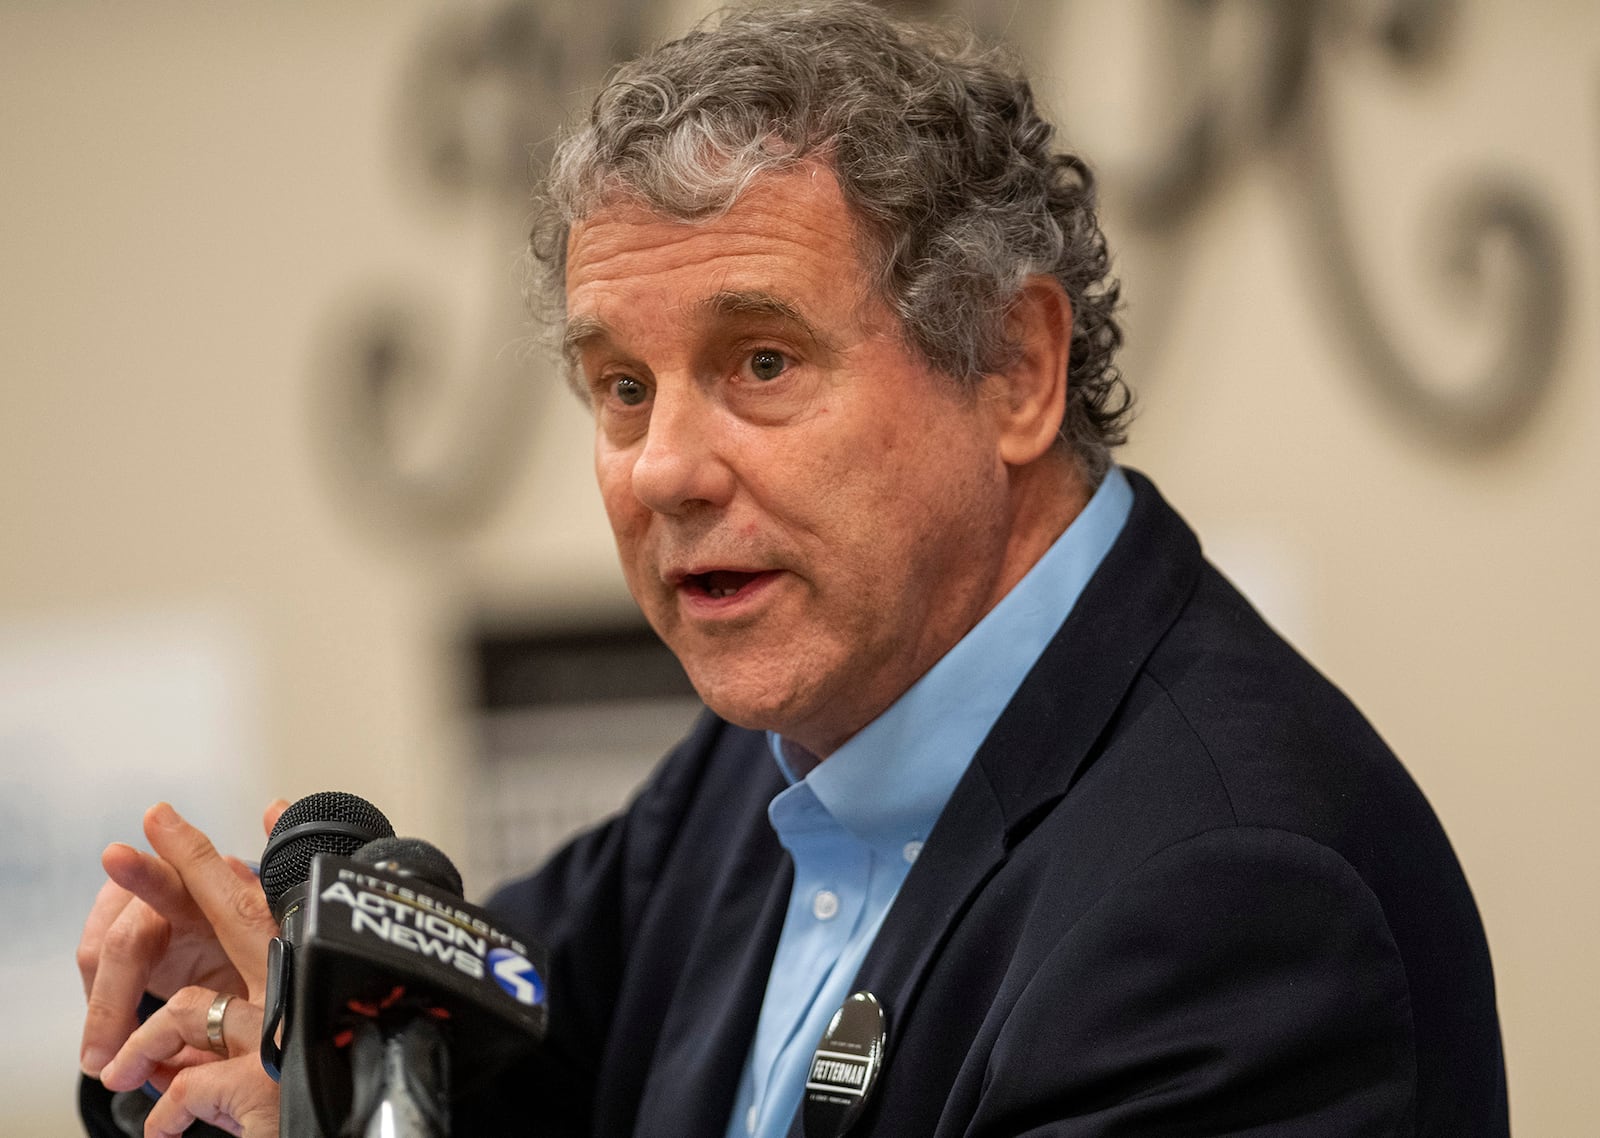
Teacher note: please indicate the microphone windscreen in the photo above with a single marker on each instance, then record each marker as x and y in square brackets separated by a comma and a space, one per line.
[329, 821]
[413, 857]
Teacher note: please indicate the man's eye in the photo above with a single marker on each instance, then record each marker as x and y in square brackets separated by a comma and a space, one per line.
[768, 364]
[629, 391]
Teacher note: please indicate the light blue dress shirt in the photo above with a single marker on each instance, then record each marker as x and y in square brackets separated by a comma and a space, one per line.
[856, 822]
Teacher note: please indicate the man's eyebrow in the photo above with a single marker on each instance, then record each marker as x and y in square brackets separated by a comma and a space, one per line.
[580, 331]
[583, 330]
[753, 302]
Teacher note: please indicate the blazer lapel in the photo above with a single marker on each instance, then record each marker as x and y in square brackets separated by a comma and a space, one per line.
[701, 1050]
[1049, 730]
[1041, 742]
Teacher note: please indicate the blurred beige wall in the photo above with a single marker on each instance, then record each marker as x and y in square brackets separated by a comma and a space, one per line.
[192, 193]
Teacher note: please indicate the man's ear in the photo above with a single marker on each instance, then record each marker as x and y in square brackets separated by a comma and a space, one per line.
[1031, 393]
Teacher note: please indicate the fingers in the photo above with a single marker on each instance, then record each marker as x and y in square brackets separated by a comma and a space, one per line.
[108, 904]
[235, 1096]
[176, 1036]
[149, 931]
[121, 961]
[150, 879]
[127, 952]
[111, 1015]
[235, 907]
[274, 810]
[187, 916]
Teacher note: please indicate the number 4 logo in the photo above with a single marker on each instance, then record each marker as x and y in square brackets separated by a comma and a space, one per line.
[517, 976]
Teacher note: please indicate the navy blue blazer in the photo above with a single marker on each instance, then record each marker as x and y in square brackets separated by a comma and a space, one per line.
[1183, 889]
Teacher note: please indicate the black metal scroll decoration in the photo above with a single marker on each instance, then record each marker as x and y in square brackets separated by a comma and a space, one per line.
[417, 443]
[485, 95]
[1469, 413]
[1492, 405]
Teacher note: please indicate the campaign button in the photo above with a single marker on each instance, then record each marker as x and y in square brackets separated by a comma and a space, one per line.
[844, 1067]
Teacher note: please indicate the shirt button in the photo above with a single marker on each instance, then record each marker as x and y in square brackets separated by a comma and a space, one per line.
[825, 905]
[910, 852]
[751, 1118]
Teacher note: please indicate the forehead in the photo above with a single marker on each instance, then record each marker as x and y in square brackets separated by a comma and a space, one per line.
[790, 237]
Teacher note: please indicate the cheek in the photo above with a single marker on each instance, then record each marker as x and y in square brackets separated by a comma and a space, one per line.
[613, 475]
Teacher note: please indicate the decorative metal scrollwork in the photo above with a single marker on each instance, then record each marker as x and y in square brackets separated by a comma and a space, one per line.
[1279, 106]
[417, 443]
[1492, 212]
[430, 447]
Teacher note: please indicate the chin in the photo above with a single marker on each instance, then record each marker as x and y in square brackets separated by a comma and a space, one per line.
[742, 711]
[759, 708]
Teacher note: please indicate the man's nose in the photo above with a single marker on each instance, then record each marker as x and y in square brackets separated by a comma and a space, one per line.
[683, 461]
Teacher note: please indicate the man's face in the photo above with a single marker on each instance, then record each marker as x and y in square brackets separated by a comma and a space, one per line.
[807, 514]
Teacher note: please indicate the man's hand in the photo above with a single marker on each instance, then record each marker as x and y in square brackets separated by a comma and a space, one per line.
[173, 1050]
[187, 916]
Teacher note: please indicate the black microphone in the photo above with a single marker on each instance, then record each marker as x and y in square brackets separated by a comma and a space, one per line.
[399, 1055]
[414, 858]
[329, 822]
[391, 984]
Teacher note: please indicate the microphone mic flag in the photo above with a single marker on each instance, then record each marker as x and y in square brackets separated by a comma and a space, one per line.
[384, 982]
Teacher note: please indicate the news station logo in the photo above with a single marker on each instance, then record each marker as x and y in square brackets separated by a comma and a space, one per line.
[516, 975]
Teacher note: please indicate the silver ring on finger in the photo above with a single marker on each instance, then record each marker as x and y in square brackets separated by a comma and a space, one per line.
[218, 1009]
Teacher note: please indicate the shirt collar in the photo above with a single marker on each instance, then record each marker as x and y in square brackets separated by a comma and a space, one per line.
[889, 782]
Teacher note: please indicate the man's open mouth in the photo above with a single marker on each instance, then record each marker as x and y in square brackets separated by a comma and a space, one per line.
[718, 583]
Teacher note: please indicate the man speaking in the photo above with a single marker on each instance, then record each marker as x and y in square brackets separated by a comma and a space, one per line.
[1011, 817]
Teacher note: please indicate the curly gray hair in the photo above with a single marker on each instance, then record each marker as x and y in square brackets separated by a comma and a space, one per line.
[939, 150]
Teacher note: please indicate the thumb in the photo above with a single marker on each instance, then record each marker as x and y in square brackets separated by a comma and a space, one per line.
[269, 817]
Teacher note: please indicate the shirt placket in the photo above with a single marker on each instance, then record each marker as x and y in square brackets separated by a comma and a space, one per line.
[825, 905]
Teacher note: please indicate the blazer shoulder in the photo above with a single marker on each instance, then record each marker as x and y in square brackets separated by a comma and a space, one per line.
[1238, 978]
[1288, 745]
